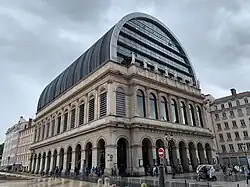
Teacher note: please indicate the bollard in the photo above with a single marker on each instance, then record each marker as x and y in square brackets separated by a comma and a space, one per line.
[106, 182]
[144, 185]
[99, 183]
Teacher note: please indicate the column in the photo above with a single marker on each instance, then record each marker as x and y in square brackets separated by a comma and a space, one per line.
[178, 155]
[169, 170]
[77, 115]
[188, 112]
[197, 155]
[64, 163]
[154, 154]
[170, 117]
[73, 161]
[205, 156]
[69, 120]
[158, 102]
[36, 165]
[147, 104]
[51, 163]
[111, 102]
[110, 158]
[97, 101]
[179, 111]
[58, 160]
[138, 170]
[189, 159]
[46, 164]
[133, 103]
[204, 120]
[94, 156]
[83, 165]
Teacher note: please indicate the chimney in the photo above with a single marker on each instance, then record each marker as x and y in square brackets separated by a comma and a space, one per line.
[30, 122]
[233, 91]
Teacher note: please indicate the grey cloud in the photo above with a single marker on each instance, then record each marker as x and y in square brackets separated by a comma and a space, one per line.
[41, 38]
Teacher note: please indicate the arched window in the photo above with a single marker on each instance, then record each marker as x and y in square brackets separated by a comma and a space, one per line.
[229, 104]
[59, 120]
[141, 110]
[184, 113]
[120, 102]
[103, 104]
[237, 102]
[153, 106]
[199, 115]
[73, 118]
[191, 112]
[81, 114]
[65, 122]
[48, 129]
[164, 109]
[174, 111]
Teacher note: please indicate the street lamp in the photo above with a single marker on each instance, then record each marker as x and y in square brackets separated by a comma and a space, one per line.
[244, 147]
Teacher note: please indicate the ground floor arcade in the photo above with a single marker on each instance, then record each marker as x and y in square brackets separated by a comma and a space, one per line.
[129, 152]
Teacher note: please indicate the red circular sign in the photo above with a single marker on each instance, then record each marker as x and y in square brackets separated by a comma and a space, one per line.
[161, 152]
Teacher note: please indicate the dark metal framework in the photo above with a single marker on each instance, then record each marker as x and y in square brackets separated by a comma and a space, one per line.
[139, 33]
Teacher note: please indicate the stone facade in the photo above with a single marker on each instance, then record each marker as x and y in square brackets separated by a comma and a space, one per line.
[230, 118]
[26, 134]
[126, 139]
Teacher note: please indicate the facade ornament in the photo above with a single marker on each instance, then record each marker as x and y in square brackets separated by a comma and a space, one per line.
[156, 67]
[166, 72]
[133, 58]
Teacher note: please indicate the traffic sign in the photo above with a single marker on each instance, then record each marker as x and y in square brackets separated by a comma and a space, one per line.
[161, 152]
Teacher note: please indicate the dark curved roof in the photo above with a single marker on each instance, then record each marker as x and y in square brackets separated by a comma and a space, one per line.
[104, 49]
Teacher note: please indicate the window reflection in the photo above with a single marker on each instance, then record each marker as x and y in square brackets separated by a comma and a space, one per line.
[153, 106]
[164, 109]
[191, 112]
[141, 103]
[174, 111]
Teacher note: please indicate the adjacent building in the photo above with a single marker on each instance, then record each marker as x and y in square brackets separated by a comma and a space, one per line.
[26, 137]
[129, 94]
[230, 117]
[10, 146]
[16, 153]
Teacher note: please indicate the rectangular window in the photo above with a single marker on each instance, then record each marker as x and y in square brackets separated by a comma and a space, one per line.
[219, 126]
[65, 124]
[234, 124]
[242, 122]
[245, 133]
[92, 109]
[103, 104]
[224, 115]
[59, 119]
[229, 136]
[223, 147]
[73, 118]
[239, 146]
[217, 116]
[226, 125]
[120, 103]
[53, 127]
[231, 113]
[237, 135]
[231, 147]
[81, 114]
[221, 137]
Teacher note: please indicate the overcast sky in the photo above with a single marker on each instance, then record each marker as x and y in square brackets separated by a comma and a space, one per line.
[40, 38]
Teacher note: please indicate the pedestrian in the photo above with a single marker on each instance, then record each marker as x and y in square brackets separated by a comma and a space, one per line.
[247, 172]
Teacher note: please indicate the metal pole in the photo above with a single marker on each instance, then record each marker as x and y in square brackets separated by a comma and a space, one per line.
[161, 176]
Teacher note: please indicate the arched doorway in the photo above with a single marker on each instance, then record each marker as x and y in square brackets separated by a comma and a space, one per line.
[54, 160]
[43, 162]
[192, 153]
[61, 159]
[172, 153]
[122, 152]
[209, 153]
[159, 144]
[147, 154]
[201, 153]
[69, 159]
[78, 158]
[183, 156]
[101, 153]
[88, 155]
[48, 162]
